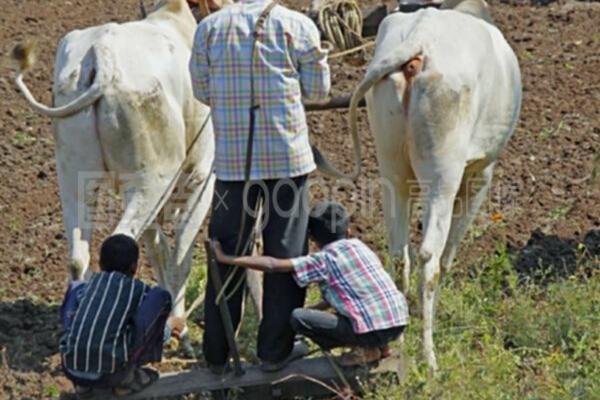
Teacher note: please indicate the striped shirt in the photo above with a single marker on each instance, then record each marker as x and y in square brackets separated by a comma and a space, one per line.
[99, 337]
[289, 65]
[353, 281]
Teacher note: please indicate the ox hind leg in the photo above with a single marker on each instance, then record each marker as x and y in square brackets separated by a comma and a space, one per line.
[175, 265]
[438, 146]
[397, 209]
[471, 195]
[439, 187]
[80, 169]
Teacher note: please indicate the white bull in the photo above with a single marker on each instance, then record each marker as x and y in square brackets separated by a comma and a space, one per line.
[443, 94]
[124, 106]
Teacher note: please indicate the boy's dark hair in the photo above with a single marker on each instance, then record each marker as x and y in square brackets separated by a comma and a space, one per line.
[119, 253]
[328, 222]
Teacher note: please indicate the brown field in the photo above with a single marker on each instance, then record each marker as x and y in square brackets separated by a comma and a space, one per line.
[541, 203]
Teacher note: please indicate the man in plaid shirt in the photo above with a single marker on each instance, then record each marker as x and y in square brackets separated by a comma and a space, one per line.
[370, 310]
[288, 65]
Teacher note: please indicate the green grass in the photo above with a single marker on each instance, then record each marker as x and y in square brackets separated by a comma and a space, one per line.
[52, 392]
[195, 287]
[500, 338]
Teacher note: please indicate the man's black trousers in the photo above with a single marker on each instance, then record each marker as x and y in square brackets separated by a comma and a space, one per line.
[285, 220]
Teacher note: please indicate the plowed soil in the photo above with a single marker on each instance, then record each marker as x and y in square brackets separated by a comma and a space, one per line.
[544, 206]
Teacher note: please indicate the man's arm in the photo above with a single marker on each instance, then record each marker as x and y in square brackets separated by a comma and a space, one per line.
[259, 263]
[198, 66]
[314, 71]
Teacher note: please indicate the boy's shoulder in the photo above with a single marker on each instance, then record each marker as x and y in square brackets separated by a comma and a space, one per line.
[117, 278]
[346, 243]
[345, 248]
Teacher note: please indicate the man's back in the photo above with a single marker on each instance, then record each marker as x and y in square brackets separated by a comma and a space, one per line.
[288, 65]
[98, 339]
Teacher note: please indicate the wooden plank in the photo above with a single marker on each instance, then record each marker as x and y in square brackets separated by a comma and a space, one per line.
[255, 384]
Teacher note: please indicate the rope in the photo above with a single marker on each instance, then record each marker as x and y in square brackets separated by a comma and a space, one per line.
[351, 51]
[341, 23]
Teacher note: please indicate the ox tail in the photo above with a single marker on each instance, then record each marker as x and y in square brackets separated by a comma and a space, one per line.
[327, 168]
[380, 68]
[24, 55]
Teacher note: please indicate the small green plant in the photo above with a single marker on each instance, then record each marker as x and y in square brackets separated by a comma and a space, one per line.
[23, 139]
[528, 55]
[14, 225]
[52, 392]
[549, 132]
[560, 212]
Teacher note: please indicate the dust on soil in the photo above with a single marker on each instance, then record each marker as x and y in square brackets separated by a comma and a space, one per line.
[541, 204]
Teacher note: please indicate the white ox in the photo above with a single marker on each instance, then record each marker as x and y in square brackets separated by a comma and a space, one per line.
[123, 105]
[443, 94]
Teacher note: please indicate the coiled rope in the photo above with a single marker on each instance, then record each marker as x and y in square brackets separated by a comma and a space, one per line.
[341, 22]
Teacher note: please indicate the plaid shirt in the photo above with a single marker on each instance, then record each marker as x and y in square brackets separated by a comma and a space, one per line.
[353, 281]
[290, 65]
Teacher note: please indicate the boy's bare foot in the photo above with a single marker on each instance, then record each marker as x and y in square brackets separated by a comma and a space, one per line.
[360, 355]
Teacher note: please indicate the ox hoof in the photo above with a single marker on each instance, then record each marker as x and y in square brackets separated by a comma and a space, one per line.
[432, 363]
[76, 270]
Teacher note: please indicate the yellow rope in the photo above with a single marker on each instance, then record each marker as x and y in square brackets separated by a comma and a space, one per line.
[352, 50]
[341, 23]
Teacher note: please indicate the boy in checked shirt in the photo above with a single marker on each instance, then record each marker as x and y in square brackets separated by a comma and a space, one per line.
[369, 310]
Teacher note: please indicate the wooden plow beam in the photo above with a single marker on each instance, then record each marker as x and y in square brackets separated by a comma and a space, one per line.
[331, 104]
[258, 385]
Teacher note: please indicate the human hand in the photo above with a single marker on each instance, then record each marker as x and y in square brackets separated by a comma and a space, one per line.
[215, 5]
[220, 256]
[207, 7]
[177, 326]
